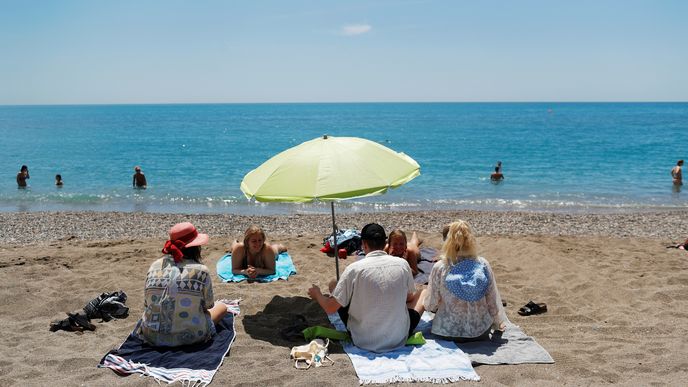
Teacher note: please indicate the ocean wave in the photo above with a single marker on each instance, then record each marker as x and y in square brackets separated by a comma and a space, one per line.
[138, 201]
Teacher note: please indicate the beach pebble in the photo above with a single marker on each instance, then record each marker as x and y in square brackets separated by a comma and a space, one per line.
[45, 227]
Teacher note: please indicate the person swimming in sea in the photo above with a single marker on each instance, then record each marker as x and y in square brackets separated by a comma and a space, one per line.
[677, 174]
[23, 176]
[139, 179]
[497, 175]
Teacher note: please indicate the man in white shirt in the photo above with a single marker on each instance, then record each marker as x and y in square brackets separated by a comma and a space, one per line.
[375, 296]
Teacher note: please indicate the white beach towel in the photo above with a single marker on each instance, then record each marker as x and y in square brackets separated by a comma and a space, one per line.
[437, 361]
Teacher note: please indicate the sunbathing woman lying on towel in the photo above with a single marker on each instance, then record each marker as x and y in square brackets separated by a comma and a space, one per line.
[462, 291]
[682, 246]
[398, 246]
[254, 257]
[178, 306]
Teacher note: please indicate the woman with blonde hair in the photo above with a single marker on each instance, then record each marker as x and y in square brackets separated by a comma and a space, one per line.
[254, 256]
[462, 291]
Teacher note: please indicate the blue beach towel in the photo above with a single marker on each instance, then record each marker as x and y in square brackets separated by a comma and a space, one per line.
[437, 361]
[284, 267]
[192, 364]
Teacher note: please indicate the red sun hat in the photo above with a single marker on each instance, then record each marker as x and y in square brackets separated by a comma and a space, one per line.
[187, 233]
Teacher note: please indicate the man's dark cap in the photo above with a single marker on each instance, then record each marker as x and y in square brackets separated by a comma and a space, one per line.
[373, 231]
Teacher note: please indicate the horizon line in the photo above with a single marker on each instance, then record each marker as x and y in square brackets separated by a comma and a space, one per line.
[334, 103]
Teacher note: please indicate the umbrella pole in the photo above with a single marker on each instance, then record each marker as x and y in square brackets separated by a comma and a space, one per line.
[334, 236]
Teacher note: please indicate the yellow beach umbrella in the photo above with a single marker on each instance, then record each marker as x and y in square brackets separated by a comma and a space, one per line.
[329, 169]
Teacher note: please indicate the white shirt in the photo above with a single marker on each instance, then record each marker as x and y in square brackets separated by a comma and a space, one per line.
[375, 289]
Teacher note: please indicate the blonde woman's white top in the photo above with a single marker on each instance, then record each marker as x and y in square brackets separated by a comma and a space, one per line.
[458, 318]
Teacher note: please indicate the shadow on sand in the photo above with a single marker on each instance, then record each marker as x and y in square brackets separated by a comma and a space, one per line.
[282, 318]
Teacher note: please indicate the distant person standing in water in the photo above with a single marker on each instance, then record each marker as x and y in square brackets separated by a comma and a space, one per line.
[497, 175]
[58, 180]
[498, 167]
[138, 180]
[22, 176]
[676, 174]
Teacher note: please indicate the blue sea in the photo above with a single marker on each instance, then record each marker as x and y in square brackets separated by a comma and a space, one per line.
[564, 157]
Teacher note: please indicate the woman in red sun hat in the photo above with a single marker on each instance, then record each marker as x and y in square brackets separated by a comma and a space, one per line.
[178, 306]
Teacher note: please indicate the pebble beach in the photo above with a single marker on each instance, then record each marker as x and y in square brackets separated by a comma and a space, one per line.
[43, 227]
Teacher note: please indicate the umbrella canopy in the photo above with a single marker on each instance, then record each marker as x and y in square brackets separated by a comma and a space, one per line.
[329, 169]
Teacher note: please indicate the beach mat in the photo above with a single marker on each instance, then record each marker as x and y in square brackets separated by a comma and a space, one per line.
[425, 264]
[514, 346]
[284, 267]
[191, 365]
[434, 362]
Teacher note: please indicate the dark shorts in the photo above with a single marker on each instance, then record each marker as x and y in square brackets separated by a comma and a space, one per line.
[413, 315]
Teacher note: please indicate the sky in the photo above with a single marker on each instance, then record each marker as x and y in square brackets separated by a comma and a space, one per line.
[172, 51]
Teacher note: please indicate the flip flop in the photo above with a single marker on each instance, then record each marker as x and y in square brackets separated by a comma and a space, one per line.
[532, 308]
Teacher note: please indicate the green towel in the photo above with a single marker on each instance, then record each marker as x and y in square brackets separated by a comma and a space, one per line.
[313, 332]
[416, 339]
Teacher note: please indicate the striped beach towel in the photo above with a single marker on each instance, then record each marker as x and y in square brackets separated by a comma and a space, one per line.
[425, 264]
[437, 361]
[192, 365]
[284, 267]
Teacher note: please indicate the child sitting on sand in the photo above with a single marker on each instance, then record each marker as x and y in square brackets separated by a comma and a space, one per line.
[398, 246]
[254, 257]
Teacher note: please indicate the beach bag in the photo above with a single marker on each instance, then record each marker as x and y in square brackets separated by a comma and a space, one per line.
[347, 239]
[108, 306]
[313, 353]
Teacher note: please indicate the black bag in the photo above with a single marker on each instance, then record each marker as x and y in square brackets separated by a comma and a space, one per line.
[108, 306]
[347, 239]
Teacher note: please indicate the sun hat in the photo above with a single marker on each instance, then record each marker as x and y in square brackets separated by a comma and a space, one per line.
[187, 233]
[468, 280]
[373, 231]
[183, 235]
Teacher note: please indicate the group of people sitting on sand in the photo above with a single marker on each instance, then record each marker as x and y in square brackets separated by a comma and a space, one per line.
[376, 296]
[377, 300]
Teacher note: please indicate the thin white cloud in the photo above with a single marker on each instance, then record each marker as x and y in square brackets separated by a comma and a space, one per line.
[356, 29]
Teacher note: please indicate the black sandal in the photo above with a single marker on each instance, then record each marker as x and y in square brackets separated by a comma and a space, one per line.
[75, 322]
[61, 325]
[81, 320]
[532, 308]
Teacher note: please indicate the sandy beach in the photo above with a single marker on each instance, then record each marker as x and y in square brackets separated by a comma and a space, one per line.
[616, 295]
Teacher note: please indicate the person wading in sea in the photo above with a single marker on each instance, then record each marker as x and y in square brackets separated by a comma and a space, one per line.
[138, 180]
